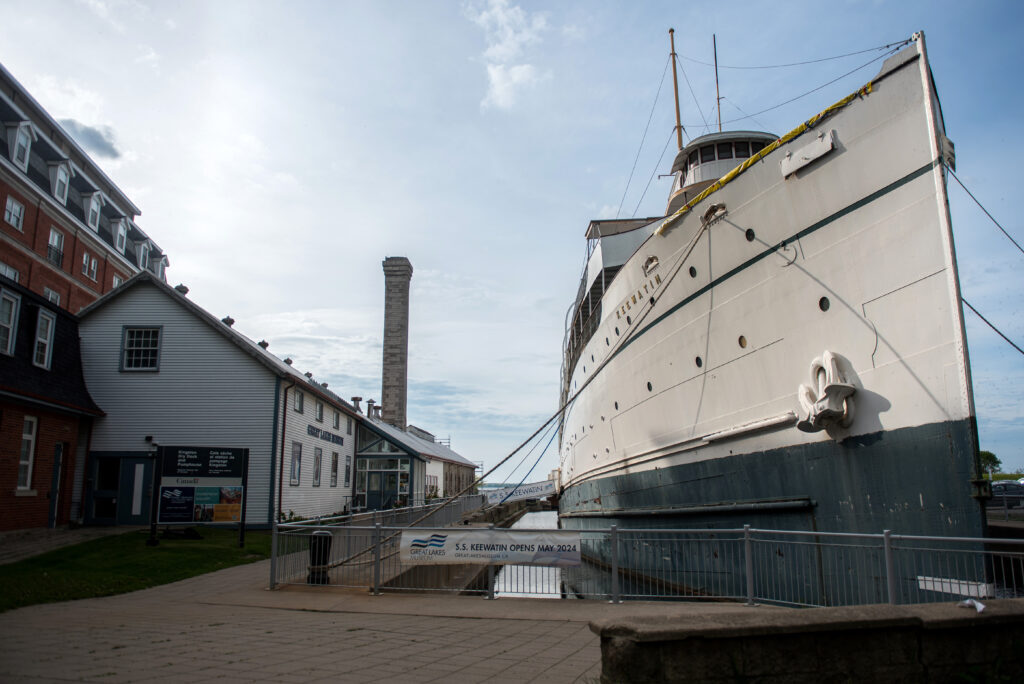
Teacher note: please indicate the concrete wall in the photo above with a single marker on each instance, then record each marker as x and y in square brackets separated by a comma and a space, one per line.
[918, 643]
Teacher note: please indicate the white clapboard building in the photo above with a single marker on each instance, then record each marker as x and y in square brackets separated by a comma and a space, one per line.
[167, 372]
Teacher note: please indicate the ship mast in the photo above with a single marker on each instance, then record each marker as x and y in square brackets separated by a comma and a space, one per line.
[718, 98]
[675, 88]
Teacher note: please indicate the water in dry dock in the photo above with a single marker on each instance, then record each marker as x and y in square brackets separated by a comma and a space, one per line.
[529, 580]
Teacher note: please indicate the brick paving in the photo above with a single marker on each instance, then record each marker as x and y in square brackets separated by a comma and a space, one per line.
[226, 627]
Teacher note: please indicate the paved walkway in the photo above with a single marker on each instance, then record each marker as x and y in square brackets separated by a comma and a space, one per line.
[225, 627]
[18, 544]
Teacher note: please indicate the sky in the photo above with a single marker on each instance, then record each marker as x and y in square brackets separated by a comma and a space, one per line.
[279, 151]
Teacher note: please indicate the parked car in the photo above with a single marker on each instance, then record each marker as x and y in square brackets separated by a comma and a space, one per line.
[1009, 493]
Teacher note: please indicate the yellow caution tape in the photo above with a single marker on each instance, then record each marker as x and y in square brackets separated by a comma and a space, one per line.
[768, 149]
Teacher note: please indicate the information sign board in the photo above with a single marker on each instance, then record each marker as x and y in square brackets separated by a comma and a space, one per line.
[202, 485]
[491, 547]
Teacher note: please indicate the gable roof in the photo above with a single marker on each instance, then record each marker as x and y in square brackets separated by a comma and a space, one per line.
[261, 355]
[412, 443]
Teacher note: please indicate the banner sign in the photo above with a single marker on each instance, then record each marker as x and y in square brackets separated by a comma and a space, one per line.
[557, 548]
[536, 490]
[201, 484]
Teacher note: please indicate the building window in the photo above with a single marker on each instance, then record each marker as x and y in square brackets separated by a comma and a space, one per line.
[296, 463]
[8, 320]
[318, 457]
[55, 248]
[143, 256]
[92, 211]
[52, 295]
[299, 401]
[319, 411]
[141, 349]
[44, 339]
[122, 235]
[9, 271]
[337, 420]
[334, 468]
[348, 469]
[28, 451]
[22, 146]
[348, 426]
[14, 212]
[60, 183]
[89, 265]
[117, 280]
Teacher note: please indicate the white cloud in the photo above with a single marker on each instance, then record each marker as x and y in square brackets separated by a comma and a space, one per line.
[67, 99]
[508, 31]
[149, 57]
[105, 11]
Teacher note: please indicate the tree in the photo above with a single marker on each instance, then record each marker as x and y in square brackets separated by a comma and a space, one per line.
[990, 463]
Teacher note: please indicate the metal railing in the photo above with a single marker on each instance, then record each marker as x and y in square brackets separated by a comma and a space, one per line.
[784, 567]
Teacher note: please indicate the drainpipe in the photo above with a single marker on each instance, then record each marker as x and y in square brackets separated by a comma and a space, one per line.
[284, 433]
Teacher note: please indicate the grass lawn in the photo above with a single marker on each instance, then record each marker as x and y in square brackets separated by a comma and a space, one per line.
[123, 563]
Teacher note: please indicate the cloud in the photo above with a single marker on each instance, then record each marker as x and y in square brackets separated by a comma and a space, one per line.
[508, 32]
[96, 139]
[148, 56]
[105, 11]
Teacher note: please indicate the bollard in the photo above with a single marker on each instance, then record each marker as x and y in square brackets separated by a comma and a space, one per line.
[890, 570]
[376, 559]
[748, 552]
[614, 540]
[319, 557]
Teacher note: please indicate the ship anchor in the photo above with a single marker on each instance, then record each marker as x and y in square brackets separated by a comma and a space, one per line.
[828, 401]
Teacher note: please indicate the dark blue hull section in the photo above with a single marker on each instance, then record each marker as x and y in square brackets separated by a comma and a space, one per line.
[912, 481]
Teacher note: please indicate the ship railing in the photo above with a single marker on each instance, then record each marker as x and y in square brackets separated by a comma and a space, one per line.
[747, 565]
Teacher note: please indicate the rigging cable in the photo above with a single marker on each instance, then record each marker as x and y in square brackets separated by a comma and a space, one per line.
[998, 332]
[810, 61]
[655, 171]
[1008, 236]
[513, 491]
[694, 96]
[644, 137]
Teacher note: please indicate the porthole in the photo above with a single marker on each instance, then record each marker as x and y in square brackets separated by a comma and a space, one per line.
[607, 343]
[616, 406]
[699, 362]
[750, 234]
[693, 272]
[652, 301]
[591, 357]
[629, 321]
[616, 331]
[584, 370]
[742, 342]
[823, 304]
[650, 387]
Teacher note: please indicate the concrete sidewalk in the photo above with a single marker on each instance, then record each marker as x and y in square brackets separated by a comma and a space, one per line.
[226, 627]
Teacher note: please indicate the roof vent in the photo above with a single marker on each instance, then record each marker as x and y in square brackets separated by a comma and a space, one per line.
[264, 343]
[370, 408]
[288, 361]
[228, 321]
[309, 375]
[324, 385]
[355, 404]
[182, 288]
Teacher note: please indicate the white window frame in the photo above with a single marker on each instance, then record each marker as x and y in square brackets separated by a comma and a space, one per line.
[348, 469]
[337, 420]
[56, 241]
[296, 469]
[117, 280]
[334, 468]
[299, 402]
[137, 346]
[89, 265]
[318, 461]
[14, 213]
[93, 201]
[319, 411]
[52, 296]
[9, 271]
[27, 455]
[42, 351]
[143, 256]
[62, 175]
[11, 326]
[348, 425]
[24, 134]
[121, 240]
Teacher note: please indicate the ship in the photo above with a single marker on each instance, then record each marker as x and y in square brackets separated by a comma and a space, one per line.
[785, 347]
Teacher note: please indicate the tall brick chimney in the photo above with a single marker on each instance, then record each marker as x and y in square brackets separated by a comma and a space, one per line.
[394, 385]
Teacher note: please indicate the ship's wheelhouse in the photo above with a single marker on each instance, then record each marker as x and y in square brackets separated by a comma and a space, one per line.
[708, 158]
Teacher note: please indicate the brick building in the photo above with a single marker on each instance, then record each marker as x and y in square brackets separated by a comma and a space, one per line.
[45, 412]
[67, 231]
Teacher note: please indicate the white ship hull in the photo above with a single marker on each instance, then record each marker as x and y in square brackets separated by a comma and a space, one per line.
[788, 351]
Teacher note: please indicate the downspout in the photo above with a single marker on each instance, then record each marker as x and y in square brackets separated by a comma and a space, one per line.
[284, 432]
[273, 445]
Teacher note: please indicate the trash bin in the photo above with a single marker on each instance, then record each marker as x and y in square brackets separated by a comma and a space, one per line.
[319, 557]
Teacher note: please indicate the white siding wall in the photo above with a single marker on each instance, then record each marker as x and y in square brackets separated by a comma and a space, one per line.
[208, 391]
[435, 468]
[305, 500]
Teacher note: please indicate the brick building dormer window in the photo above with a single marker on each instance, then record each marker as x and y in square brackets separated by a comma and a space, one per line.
[44, 339]
[93, 203]
[9, 304]
[143, 256]
[60, 177]
[19, 142]
[14, 212]
[121, 235]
